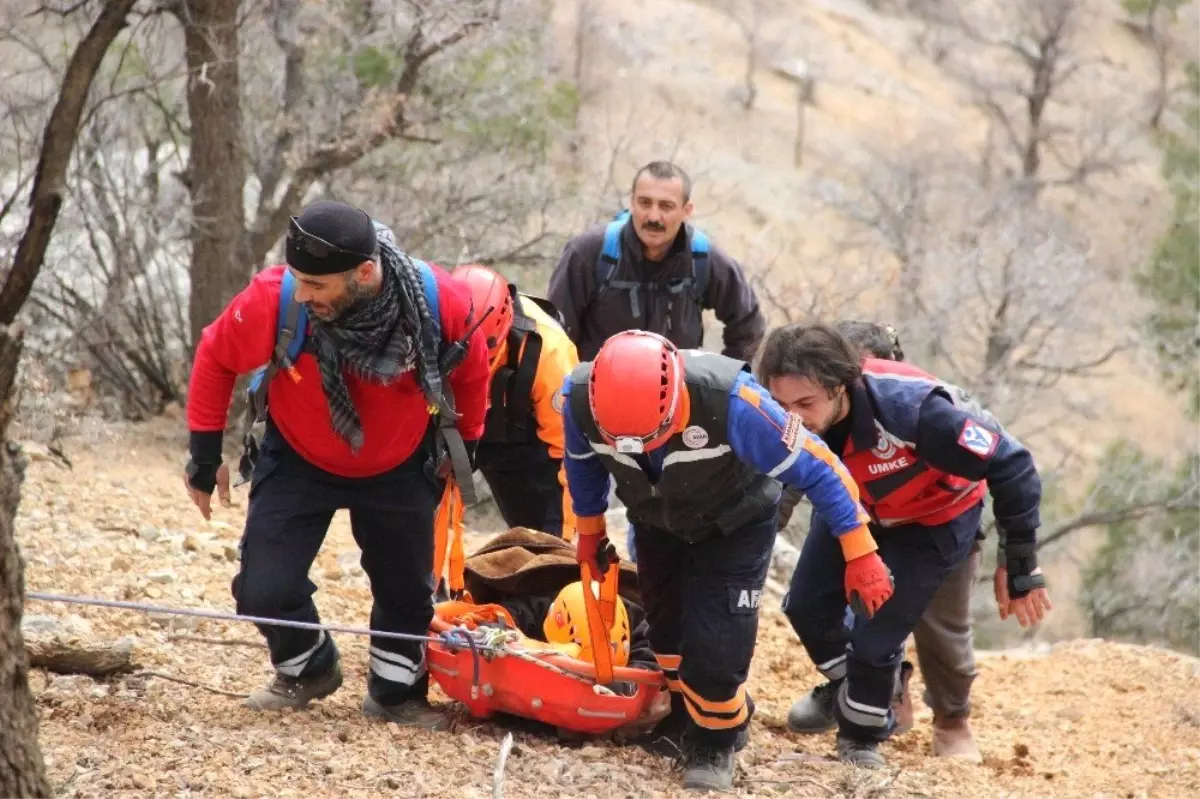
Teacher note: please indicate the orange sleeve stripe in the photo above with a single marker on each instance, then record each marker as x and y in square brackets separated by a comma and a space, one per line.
[668, 661]
[749, 395]
[814, 447]
[857, 542]
[590, 525]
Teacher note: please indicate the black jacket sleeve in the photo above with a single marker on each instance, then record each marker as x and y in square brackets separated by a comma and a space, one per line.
[733, 300]
[571, 285]
[962, 444]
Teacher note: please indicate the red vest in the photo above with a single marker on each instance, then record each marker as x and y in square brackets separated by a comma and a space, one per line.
[896, 485]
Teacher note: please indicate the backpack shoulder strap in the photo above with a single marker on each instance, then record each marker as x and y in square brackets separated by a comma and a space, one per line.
[429, 282]
[610, 252]
[293, 323]
[700, 264]
[290, 332]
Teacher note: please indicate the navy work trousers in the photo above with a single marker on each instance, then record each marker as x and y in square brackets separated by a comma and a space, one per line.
[292, 503]
[865, 659]
[701, 602]
[524, 482]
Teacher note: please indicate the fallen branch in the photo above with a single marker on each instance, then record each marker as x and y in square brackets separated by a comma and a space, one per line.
[182, 681]
[218, 641]
[73, 657]
[501, 760]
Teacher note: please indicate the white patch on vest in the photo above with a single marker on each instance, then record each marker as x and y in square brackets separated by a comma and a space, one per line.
[748, 599]
[695, 437]
[556, 401]
[888, 444]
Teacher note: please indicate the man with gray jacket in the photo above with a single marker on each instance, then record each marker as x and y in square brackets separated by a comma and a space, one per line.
[651, 270]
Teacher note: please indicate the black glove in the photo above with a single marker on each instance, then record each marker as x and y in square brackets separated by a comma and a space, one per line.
[1020, 559]
[202, 476]
[472, 448]
[205, 458]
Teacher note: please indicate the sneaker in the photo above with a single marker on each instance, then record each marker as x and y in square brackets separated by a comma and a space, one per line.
[295, 692]
[708, 768]
[410, 713]
[902, 707]
[864, 754]
[953, 738]
[813, 712]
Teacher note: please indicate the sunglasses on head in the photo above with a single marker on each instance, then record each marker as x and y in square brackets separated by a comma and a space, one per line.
[315, 245]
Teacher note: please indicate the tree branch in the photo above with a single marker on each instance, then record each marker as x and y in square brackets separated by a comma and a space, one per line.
[58, 140]
[381, 118]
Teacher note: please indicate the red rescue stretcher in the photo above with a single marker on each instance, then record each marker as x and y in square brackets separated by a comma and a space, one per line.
[505, 672]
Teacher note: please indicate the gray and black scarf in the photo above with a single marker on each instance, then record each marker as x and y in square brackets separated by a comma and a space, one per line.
[379, 340]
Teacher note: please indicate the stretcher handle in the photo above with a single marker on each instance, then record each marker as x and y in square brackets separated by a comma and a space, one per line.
[601, 613]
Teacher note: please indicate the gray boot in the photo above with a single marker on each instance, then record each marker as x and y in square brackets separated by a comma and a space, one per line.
[295, 692]
[412, 713]
[813, 712]
[864, 754]
[708, 768]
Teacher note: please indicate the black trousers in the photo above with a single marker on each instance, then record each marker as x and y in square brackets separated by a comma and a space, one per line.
[292, 503]
[701, 602]
[866, 659]
[524, 482]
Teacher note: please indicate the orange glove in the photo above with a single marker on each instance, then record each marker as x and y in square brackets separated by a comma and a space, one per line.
[869, 583]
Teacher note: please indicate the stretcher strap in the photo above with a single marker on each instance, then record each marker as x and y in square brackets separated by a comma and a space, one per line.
[601, 615]
[448, 537]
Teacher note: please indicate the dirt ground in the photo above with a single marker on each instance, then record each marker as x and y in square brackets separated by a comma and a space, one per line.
[1086, 718]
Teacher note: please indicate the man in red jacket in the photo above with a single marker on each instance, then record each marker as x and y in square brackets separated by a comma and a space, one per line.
[349, 426]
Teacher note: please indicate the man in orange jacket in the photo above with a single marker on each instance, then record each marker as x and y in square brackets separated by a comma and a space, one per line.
[529, 356]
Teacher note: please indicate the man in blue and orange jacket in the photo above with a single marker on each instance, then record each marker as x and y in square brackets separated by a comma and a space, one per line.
[923, 464]
[349, 427]
[696, 448]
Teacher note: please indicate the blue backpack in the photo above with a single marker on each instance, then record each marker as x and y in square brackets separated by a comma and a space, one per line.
[610, 259]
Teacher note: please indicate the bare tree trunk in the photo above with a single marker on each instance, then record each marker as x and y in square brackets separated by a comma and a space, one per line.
[216, 175]
[22, 771]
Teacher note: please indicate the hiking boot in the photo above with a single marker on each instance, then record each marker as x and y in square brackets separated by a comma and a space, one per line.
[708, 768]
[295, 692]
[953, 738]
[902, 707]
[813, 712]
[864, 754]
[410, 713]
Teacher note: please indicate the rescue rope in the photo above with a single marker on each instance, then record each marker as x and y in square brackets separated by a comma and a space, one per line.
[455, 637]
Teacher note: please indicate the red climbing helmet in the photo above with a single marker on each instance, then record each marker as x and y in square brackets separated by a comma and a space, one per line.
[489, 290]
[635, 390]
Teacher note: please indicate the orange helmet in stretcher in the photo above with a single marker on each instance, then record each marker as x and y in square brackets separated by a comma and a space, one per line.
[489, 290]
[636, 391]
[566, 626]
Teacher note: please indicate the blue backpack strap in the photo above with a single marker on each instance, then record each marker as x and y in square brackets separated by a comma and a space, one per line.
[291, 328]
[429, 281]
[700, 264]
[610, 253]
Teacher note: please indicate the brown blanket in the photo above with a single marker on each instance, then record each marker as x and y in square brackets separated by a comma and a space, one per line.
[524, 561]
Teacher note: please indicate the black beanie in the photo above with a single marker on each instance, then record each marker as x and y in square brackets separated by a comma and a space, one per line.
[341, 225]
